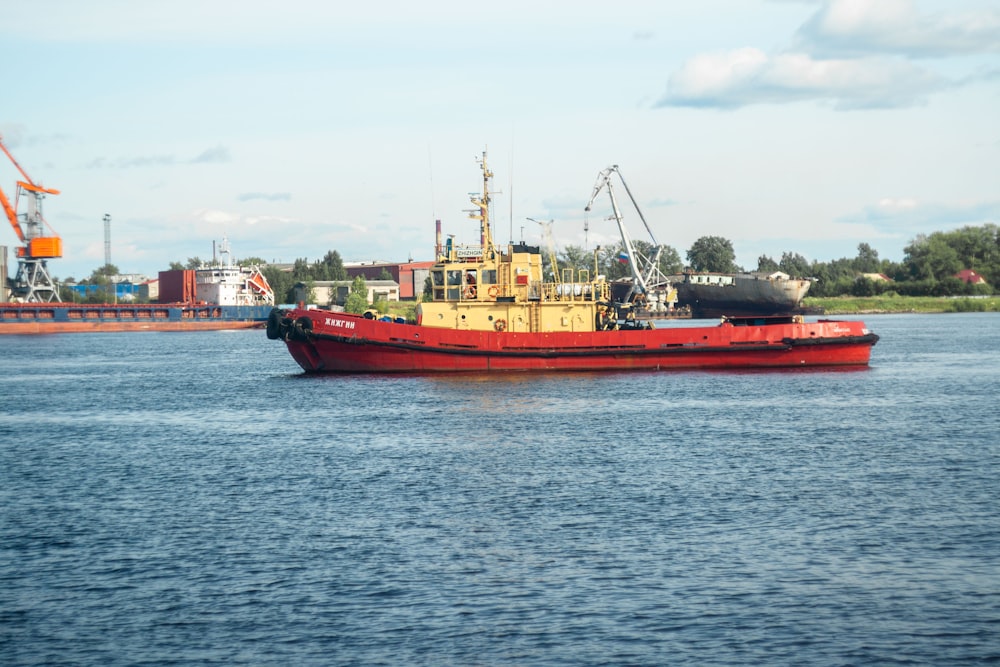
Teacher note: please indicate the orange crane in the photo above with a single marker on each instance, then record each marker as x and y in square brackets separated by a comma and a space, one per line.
[33, 281]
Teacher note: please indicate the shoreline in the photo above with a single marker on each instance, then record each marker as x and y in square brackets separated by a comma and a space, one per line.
[886, 305]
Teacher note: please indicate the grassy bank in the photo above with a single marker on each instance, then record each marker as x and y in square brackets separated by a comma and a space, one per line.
[850, 305]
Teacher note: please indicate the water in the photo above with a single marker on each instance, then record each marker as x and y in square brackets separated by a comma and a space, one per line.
[192, 498]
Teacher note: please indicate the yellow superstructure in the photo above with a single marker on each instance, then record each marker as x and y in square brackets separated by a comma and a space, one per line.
[479, 287]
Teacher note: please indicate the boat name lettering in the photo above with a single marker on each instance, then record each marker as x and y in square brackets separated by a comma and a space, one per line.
[468, 252]
[337, 322]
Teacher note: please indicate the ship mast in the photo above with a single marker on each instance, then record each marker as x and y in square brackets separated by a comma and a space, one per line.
[483, 214]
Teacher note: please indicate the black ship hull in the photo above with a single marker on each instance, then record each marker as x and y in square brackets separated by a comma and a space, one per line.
[739, 294]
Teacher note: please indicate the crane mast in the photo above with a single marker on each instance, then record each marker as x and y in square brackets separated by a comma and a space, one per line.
[33, 281]
[644, 277]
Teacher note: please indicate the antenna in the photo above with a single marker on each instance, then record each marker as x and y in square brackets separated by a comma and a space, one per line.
[510, 182]
[107, 239]
[550, 244]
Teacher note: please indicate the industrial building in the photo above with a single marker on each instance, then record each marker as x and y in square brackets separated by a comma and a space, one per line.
[335, 292]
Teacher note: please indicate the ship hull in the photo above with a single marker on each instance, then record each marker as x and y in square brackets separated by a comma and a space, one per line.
[322, 342]
[740, 294]
[52, 318]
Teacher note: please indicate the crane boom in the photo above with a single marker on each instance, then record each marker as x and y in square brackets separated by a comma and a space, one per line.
[17, 164]
[642, 278]
[11, 214]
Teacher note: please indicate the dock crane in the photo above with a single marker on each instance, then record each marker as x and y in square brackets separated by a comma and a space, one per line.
[33, 283]
[645, 270]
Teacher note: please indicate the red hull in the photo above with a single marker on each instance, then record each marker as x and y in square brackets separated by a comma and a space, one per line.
[334, 342]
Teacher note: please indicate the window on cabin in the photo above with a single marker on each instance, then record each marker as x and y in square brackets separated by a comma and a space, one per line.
[454, 285]
[437, 280]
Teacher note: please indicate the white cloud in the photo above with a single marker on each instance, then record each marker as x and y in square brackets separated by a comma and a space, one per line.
[895, 26]
[853, 54]
[749, 76]
[216, 217]
[266, 196]
[211, 155]
[915, 216]
[215, 155]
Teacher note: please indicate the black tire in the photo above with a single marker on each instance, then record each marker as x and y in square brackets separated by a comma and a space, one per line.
[300, 329]
[274, 324]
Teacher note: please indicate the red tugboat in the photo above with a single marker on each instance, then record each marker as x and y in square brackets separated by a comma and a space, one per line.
[492, 310]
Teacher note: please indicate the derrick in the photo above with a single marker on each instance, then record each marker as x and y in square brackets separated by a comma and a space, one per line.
[39, 243]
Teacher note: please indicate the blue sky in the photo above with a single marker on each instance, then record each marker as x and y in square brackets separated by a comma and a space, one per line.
[782, 125]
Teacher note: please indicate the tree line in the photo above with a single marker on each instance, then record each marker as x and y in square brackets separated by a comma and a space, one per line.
[928, 268]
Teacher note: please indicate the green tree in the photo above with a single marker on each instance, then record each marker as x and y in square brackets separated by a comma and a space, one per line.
[357, 300]
[385, 275]
[931, 258]
[176, 266]
[670, 260]
[576, 258]
[281, 282]
[864, 286]
[766, 265]
[611, 262]
[867, 260]
[712, 253]
[832, 278]
[194, 263]
[977, 246]
[331, 267]
[979, 249]
[794, 265]
[931, 262]
[301, 271]
[105, 271]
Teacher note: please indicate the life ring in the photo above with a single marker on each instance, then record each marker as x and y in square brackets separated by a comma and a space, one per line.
[493, 291]
[500, 325]
[470, 292]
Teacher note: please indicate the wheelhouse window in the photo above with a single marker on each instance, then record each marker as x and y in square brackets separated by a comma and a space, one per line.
[454, 285]
[437, 280]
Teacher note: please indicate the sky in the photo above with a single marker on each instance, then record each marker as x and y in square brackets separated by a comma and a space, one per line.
[794, 126]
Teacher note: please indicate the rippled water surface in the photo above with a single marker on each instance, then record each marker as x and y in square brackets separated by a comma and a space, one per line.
[192, 498]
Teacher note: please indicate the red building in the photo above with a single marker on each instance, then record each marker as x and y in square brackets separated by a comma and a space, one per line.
[971, 277]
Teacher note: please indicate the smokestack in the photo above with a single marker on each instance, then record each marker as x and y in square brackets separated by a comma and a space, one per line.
[437, 239]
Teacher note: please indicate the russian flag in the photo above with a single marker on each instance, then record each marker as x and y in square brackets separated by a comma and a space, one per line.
[623, 257]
